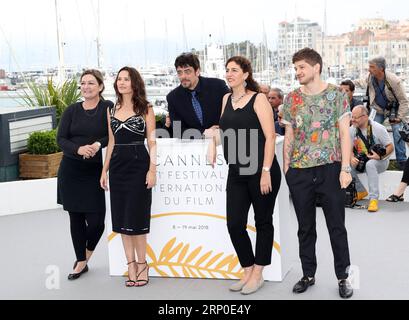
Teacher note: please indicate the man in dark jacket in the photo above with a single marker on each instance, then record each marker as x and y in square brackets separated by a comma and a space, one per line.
[196, 104]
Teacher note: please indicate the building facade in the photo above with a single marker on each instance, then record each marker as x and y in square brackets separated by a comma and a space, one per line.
[294, 36]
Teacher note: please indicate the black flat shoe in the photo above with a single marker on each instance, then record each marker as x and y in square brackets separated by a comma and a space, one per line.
[345, 289]
[302, 285]
[74, 276]
[394, 198]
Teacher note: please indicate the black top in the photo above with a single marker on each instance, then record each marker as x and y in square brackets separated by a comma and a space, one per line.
[242, 130]
[355, 102]
[79, 127]
[134, 129]
[209, 92]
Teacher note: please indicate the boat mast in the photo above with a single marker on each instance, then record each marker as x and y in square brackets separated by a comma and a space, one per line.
[61, 69]
[144, 42]
[165, 51]
[99, 45]
[266, 64]
[224, 41]
[248, 54]
[184, 34]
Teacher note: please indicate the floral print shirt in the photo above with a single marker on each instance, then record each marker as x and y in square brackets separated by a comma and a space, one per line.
[315, 121]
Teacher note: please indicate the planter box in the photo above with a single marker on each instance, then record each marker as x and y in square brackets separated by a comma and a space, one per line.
[16, 124]
[39, 166]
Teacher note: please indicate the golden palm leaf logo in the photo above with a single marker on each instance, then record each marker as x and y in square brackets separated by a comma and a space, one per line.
[177, 260]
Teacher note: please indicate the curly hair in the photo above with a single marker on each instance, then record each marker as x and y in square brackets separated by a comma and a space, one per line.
[245, 65]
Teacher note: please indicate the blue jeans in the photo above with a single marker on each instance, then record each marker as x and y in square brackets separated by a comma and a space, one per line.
[400, 148]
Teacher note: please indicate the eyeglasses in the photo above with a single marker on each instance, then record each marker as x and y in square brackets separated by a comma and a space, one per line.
[356, 118]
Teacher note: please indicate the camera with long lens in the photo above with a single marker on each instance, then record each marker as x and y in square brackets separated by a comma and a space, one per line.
[365, 101]
[404, 132]
[362, 160]
[351, 195]
[379, 149]
[391, 111]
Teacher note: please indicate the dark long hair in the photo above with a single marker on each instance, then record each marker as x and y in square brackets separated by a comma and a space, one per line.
[245, 65]
[139, 101]
[97, 75]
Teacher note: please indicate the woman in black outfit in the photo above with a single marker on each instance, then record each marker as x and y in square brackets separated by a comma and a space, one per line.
[132, 171]
[248, 138]
[397, 196]
[82, 133]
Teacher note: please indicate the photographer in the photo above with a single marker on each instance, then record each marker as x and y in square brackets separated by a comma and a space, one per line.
[386, 94]
[349, 88]
[371, 149]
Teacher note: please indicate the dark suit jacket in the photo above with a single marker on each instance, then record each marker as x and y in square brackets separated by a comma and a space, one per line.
[209, 92]
[355, 102]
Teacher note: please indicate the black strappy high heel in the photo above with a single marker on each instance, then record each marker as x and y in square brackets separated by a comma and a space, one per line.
[130, 283]
[394, 198]
[142, 282]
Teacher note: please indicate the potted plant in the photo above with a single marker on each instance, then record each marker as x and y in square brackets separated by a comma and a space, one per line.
[43, 157]
[160, 119]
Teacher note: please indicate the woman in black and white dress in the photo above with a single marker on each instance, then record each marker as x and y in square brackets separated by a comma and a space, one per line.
[132, 171]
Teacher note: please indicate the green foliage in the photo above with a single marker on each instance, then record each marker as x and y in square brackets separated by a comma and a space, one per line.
[393, 165]
[51, 95]
[43, 142]
[160, 117]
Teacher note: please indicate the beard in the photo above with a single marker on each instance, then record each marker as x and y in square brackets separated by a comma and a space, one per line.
[306, 80]
[186, 84]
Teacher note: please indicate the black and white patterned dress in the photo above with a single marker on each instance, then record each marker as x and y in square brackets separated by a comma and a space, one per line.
[130, 199]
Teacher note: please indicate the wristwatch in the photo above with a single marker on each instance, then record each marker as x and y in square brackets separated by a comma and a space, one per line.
[346, 169]
[266, 169]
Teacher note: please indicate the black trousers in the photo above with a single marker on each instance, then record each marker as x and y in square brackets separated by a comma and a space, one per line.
[86, 230]
[305, 185]
[405, 178]
[243, 191]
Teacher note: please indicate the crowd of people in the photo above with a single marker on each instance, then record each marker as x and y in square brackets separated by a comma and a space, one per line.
[329, 138]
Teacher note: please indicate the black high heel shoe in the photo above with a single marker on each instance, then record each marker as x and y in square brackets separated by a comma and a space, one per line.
[394, 198]
[142, 282]
[130, 283]
[74, 276]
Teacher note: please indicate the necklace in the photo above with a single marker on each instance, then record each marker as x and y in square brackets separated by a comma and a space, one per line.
[91, 114]
[235, 100]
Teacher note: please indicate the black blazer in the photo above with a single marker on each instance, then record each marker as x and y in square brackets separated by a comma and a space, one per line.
[209, 92]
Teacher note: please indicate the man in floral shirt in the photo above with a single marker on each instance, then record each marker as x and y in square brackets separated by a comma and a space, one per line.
[317, 149]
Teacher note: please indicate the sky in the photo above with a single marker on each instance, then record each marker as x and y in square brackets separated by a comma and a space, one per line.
[151, 31]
